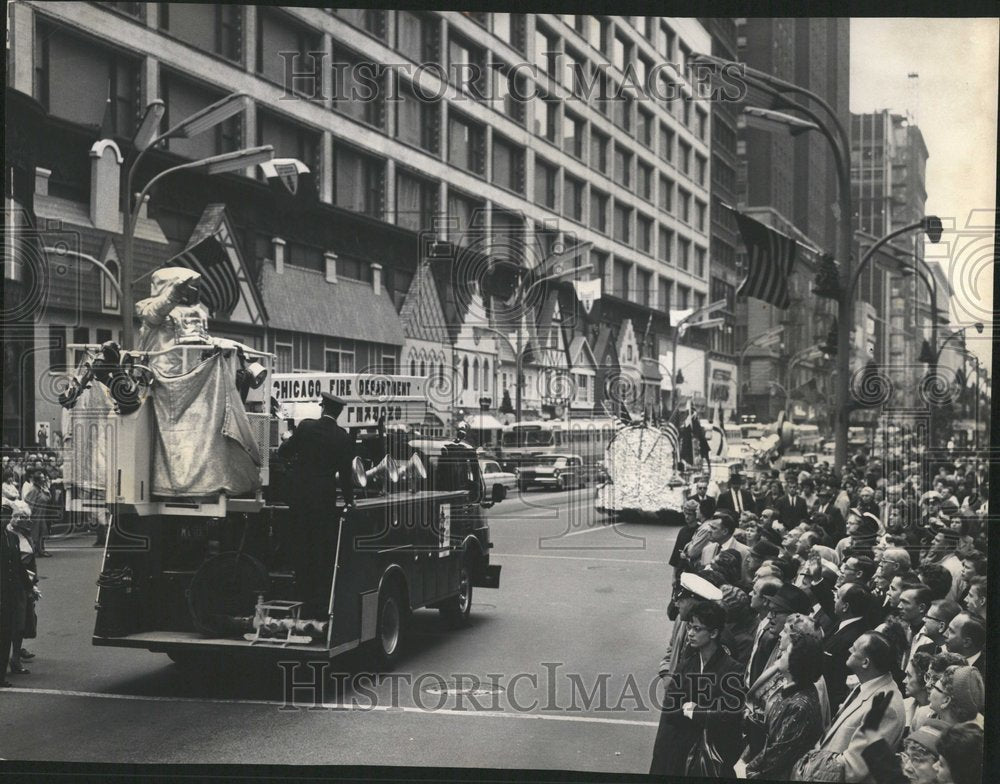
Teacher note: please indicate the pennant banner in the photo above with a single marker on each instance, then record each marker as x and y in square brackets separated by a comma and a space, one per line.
[771, 257]
[588, 292]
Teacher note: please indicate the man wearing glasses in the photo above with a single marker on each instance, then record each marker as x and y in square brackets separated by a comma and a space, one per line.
[933, 633]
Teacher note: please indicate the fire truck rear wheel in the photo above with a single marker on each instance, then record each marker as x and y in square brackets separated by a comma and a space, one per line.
[457, 609]
[391, 623]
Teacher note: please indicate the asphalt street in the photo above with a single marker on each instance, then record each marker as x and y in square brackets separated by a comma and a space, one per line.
[555, 670]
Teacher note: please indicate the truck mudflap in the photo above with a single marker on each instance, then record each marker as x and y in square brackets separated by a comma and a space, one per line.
[488, 577]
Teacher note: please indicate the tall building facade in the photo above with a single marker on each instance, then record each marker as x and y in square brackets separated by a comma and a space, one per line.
[530, 130]
[888, 181]
[790, 183]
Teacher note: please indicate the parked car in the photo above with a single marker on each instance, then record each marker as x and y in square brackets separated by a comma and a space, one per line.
[561, 472]
[493, 474]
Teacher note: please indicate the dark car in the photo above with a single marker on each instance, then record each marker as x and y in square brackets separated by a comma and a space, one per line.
[560, 472]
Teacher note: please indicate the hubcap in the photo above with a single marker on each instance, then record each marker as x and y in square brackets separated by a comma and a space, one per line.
[390, 626]
[463, 596]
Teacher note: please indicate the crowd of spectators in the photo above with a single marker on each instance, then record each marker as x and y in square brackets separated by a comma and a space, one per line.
[830, 625]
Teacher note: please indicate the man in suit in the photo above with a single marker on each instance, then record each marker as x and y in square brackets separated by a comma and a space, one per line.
[721, 529]
[317, 449]
[873, 710]
[736, 499]
[763, 641]
[934, 631]
[966, 636]
[705, 502]
[835, 528]
[791, 506]
[850, 608]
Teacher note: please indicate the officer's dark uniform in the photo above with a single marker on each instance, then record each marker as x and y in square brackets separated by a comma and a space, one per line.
[317, 449]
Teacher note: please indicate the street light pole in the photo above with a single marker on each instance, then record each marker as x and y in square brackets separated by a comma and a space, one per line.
[145, 139]
[841, 147]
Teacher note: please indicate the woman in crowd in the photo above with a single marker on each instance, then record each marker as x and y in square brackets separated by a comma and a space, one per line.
[24, 597]
[793, 721]
[961, 755]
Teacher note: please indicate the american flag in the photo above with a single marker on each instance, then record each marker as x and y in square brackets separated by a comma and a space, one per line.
[672, 435]
[207, 253]
[771, 257]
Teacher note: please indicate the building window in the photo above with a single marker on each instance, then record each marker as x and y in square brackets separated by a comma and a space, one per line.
[702, 125]
[338, 356]
[643, 279]
[645, 127]
[109, 296]
[358, 87]
[665, 243]
[289, 139]
[418, 37]
[74, 76]
[623, 167]
[701, 169]
[467, 67]
[621, 51]
[510, 92]
[182, 98]
[598, 151]
[623, 108]
[573, 198]
[700, 211]
[574, 71]
[545, 184]
[666, 194]
[213, 27]
[304, 256]
[684, 153]
[418, 121]
[685, 202]
[466, 144]
[509, 28]
[684, 253]
[358, 181]
[645, 180]
[599, 211]
[462, 212]
[663, 294]
[135, 10]
[508, 165]
[644, 233]
[372, 22]
[621, 273]
[573, 135]
[283, 358]
[683, 293]
[283, 46]
[669, 43]
[416, 202]
[666, 143]
[546, 51]
[623, 224]
[545, 118]
[699, 262]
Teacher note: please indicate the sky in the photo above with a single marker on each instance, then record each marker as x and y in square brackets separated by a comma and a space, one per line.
[954, 100]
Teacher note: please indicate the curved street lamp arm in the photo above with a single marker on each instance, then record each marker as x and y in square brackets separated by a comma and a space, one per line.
[87, 257]
[870, 253]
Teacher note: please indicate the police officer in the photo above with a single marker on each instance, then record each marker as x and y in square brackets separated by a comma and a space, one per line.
[318, 448]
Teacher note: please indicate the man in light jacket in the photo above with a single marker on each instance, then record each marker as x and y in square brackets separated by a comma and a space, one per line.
[872, 711]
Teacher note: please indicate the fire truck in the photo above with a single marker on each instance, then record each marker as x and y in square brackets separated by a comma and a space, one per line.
[206, 576]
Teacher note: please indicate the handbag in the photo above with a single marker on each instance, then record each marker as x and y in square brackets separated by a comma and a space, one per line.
[819, 765]
[30, 622]
[703, 759]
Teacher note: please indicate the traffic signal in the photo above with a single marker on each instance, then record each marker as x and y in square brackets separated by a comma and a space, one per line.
[502, 280]
[830, 347]
[827, 280]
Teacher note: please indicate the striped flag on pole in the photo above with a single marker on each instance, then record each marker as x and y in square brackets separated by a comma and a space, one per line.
[771, 256]
[673, 437]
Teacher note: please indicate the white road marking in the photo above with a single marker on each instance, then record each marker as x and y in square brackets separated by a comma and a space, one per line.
[578, 558]
[596, 527]
[333, 706]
